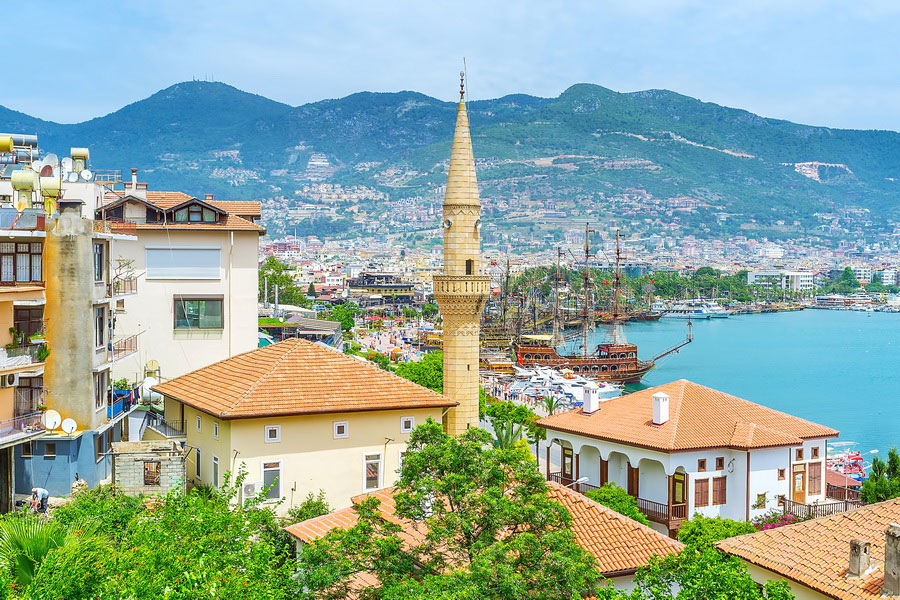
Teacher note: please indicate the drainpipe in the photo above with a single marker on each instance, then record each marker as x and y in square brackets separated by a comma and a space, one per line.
[230, 264]
[748, 485]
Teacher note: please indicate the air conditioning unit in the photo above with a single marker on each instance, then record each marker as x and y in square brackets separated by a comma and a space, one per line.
[9, 380]
[251, 489]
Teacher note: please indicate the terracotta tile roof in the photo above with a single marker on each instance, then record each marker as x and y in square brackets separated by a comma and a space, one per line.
[816, 553]
[699, 417]
[296, 377]
[840, 480]
[619, 544]
[234, 220]
[231, 223]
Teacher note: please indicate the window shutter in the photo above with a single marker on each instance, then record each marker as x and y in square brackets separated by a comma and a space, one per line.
[719, 490]
[815, 478]
[701, 492]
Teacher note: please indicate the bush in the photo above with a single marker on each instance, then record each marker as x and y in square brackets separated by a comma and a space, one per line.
[312, 506]
[110, 510]
[703, 532]
[74, 571]
[612, 496]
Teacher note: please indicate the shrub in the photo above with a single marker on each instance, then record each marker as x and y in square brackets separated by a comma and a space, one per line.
[74, 571]
[612, 496]
[700, 531]
[312, 506]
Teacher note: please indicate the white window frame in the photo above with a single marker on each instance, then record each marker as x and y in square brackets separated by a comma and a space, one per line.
[216, 429]
[400, 456]
[151, 269]
[334, 429]
[366, 461]
[412, 424]
[262, 477]
[215, 471]
[276, 429]
[199, 424]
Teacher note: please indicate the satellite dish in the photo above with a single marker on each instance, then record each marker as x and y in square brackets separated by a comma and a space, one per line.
[46, 171]
[73, 177]
[87, 175]
[50, 419]
[69, 426]
[37, 165]
[67, 164]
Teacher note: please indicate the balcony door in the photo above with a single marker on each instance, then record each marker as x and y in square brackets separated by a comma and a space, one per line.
[633, 480]
[568, 466]
[798, 483]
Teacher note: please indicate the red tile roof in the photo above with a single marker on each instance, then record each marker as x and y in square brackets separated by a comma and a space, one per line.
[699, 417]
[816, 553]
[296, 377]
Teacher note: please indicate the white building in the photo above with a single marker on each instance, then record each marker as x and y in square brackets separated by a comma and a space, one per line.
[795, 281]
[196, 265]
[863, 273]
[888, 276]
[683, 448]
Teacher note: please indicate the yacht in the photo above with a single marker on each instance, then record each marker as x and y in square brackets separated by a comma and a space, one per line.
[686, 311]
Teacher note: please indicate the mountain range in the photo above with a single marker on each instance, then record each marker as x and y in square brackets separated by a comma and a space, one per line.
[589, 151]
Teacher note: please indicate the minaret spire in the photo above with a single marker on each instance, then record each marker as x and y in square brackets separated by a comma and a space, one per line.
[461, 290]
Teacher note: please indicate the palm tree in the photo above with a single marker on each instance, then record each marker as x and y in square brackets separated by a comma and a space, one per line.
[550, 403]
[26, 541]
[507, 433]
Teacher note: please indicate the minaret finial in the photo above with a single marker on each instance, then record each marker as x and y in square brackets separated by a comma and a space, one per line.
[462, 85]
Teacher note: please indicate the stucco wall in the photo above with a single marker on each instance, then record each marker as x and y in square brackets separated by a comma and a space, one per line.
[151, 311]
[801, 592]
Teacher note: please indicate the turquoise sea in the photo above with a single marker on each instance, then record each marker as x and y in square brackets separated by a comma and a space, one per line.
[837, 368]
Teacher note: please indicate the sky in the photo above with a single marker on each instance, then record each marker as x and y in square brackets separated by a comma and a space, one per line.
[830, 63]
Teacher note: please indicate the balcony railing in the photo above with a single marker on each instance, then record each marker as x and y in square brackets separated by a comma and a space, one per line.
[120, 287]
[838, 492]
[168, 429]
[115, 226]
[570, 483]
[20, 427]
[659, 512]
[121, 401]
[814, 511]
[21, 356]
[123, 346]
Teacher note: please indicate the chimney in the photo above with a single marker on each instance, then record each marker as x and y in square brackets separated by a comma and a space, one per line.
[208, 197]
[590, 399]
[860, 558]
[660, 408]
[891, 586]
[134, 179]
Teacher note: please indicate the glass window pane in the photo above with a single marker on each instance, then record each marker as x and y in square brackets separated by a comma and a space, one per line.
[7, 247]
[23, 267]
[35, 247]
[270, 477]
[6, 267]
[36, 268]
[210, 314]
[181, 216]
[372, 468]
[208, 215]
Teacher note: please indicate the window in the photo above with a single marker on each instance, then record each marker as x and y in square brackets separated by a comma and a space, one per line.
[780, 474]
[99, 327]
[371, 471]
[215, 471]
[171, 262]
[198, 313]
[470, 266]
[151, 472]
[701, 465]
[720, 463]
[814, 478]
[814, 452]
[50, 449]
[407, 424]
[198, 467]
[21, 262]
[29, 320]
[272, 479]
[199, 423]
[273, 434]
[98, 261]
[701, 492]
[402, 456]
[215, 430]
[100, 389]
[341, 429]
[760, 501]
[798, 454]
[98, 446]
[719, 491]
[27, 449]
[195, 214]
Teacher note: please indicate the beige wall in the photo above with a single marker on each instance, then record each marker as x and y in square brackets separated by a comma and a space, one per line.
[311, 458]
[801, 592]
[210, 445]
[151, 311]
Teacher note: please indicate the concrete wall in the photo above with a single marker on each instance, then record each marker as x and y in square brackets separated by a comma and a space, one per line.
[800, 592]
[151, 311]
[311, 458]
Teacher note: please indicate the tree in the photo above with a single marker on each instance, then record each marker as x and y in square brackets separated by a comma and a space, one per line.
[278, 274]
[612, 496]
[345, 314]
[311, 290]
[703, 532]
[428, 372]
[382, 360]
[510, 421]
[488, 530]
[883, 482]
[312, 506]
[429, 310]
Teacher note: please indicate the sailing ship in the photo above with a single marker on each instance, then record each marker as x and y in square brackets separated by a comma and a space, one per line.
[614, 360]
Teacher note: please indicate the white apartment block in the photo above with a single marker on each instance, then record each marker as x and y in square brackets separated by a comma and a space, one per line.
[862, 273]
[795, 281]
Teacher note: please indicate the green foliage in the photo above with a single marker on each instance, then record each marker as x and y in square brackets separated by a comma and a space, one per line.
[491, 531]
[428, 372]
[42, 353]
[429, 310]
[511, 421]
[612, 496]
[311, 290]
[382, 360]
[312, 506]
[703, 574]
[884, 479]
[703, 532]
[344, 314]
[108, 510]
[75, 571]
[25, 542]
[279, 274]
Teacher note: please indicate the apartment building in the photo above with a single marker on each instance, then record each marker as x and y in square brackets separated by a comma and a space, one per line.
[196, 264]
[682, 449]
[794, 281]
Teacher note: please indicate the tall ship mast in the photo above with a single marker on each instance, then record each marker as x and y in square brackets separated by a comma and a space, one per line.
[614, 360]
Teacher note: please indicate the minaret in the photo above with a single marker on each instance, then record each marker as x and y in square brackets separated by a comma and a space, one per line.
[462, 289]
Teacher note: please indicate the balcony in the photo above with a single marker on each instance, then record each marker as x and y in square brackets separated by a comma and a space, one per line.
[122, 347]
[20, 358]
[819, 509]
[121, 287]
[167, 429]
[121, 401]
[112, 226]
[20, 428]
